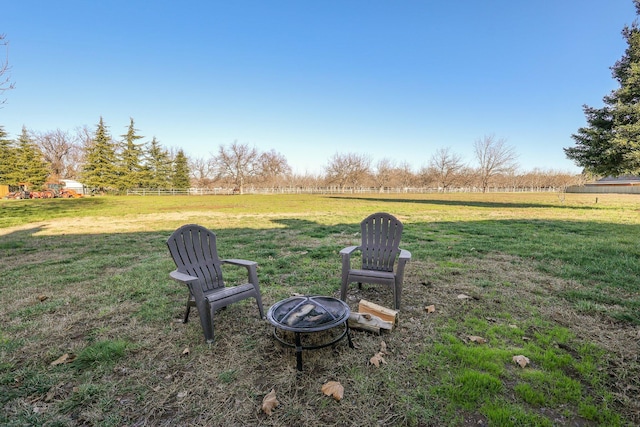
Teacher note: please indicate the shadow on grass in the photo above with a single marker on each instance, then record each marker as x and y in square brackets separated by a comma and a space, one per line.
[17, 212]
[314, 229]
[602, 257]
[467, 203]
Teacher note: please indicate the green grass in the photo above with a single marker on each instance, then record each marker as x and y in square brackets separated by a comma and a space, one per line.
[475, 376]
[227, 377]
[101, 354]
[557, 282]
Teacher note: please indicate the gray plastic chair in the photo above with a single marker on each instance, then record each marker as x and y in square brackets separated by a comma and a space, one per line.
[193, 249]
[381, 233]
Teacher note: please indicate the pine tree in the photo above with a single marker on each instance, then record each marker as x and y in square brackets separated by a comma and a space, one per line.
[131, 173]
[30, 164]
[158, 165]
[180, 178]
[99, 171]
[7, 159]
[610, 144]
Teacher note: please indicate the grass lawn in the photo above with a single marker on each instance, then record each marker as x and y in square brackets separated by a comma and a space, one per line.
[555, 279]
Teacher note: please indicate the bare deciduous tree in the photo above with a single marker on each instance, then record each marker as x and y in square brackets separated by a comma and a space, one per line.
[383, 174]
[349, 169]
[467, 178]
[494, 157]
[273, 167]
[202, 171]
[59, 149]
[5, 81]
[444, 166]
[76, 158]
[237, 163]
[404, 176]
[306, 181]
[425, 177]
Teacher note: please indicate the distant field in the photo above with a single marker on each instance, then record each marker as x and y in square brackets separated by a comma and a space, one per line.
[554, 277]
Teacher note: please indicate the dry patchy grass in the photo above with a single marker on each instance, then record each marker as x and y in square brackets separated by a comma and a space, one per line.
[224, 384]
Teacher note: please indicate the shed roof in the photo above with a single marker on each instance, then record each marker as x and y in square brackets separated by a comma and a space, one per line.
[618, 180]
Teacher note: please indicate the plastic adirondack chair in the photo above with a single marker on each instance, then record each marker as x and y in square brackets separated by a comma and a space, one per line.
[381, 233]
[193, 249]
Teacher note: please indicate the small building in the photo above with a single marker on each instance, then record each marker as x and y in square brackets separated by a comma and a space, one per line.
[74, 185]
[624, 184]
[619, 181]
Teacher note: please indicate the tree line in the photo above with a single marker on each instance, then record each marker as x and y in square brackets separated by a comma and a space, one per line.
[107, 164]
[240, 165]
[101, 162]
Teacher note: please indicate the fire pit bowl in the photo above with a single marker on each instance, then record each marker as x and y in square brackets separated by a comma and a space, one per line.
[308, 314]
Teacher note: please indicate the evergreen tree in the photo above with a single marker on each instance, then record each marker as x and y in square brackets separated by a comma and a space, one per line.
[610, 144]
[180, 178]
[158, 165]
[131, 173]
[7, 159]
[99, 171]
[30, 164]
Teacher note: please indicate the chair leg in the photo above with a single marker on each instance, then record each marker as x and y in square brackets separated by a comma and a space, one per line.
[397, 293]
[343, 289]
[206, 321]
[187, 311]
[208, 334]
[260, 309]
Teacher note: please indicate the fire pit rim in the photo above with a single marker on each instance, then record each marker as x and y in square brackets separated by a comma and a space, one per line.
[320, 300]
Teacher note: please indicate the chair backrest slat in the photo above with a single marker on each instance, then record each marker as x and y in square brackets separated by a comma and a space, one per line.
[193, 249]
[381, 233]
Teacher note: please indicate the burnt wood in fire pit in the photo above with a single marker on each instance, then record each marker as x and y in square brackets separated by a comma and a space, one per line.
[307, 314]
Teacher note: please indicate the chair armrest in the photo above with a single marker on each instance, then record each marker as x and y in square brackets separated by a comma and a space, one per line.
[251, 266]
[405, 255]
[349, 250]
[194, 291]
[240, 262]
[346, 260]
[182, 277]
[402, 260]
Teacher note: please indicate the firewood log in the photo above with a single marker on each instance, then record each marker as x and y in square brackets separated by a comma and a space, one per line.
[368, 322]
[298, 315]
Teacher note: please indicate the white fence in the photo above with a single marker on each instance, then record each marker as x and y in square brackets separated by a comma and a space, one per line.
[174, 192]
[332, 190]
[617, 189]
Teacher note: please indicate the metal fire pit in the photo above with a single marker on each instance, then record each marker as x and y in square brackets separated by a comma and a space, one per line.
[308, 314]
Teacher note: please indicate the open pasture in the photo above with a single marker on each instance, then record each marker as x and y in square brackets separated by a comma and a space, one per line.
[555, 278]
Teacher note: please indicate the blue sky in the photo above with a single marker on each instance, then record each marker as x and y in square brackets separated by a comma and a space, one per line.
[308, 79]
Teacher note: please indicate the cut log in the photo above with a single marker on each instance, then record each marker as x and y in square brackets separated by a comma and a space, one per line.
[298, 315]
[383, 313]
[368, 322]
